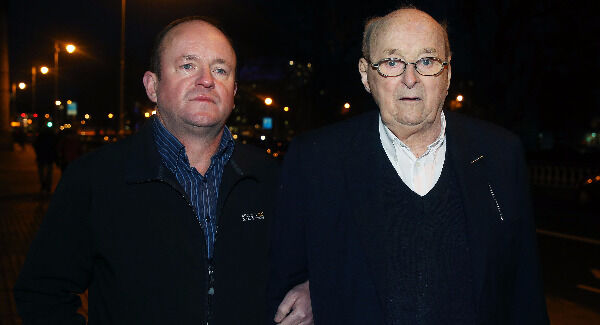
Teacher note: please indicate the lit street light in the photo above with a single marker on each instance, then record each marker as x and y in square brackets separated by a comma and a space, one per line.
[459, 98]
[268, 101]
[22, 85]
[44, 70]
[70, 48]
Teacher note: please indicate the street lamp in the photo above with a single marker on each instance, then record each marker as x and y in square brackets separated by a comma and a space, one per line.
[22, 85]
[70, 48]
[43, 70]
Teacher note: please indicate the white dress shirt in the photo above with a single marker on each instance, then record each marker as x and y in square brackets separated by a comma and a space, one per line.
[419, 174]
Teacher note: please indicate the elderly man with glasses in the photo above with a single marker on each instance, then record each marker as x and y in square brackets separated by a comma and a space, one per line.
[408, 214]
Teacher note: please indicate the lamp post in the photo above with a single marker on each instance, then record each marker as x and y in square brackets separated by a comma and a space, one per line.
[122, 71]
[70, 48]
[43, 70]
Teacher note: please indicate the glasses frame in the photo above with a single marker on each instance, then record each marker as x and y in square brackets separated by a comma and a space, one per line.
[377, 66]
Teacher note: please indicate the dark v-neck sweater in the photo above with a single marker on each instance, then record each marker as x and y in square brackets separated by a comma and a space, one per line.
[428, 269]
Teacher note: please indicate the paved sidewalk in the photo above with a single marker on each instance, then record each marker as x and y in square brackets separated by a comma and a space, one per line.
[23, 208]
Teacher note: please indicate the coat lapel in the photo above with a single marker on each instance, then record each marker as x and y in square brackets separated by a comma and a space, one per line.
[469, 161]
[364, 166]
[232, 174]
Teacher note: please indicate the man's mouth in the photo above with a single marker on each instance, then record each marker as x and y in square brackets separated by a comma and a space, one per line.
[203, 98]
[410, 99]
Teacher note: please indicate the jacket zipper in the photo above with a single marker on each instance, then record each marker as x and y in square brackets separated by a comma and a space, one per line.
[210, 268]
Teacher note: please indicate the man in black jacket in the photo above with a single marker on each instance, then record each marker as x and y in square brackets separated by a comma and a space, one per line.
[169, 226]
[408, 214]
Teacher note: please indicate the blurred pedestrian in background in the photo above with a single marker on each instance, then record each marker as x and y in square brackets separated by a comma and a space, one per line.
[19, 137]
[45, 155]
[69, 148]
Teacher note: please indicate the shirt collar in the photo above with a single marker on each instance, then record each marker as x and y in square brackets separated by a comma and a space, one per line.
[389, 139]
[172, 151]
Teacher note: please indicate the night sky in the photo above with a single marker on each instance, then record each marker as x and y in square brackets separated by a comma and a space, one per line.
[530, 66]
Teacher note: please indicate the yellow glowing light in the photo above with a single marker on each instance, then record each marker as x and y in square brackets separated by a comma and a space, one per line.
[235, 136]
[58, 102]
[347, 105]
[147, 114]
[86, 116]
[44, 70]
[154, 112]
[597, 178]
[111, 115]
[47, 115]
[22, 85]
[269, 151]
[70, 48]
[82, 121]
[268, 101]
[262, 138]
[61, 127]
[309, 65]
[589, 181]
[459, 98]
[291, 62]
[276, 154]
[69, 102]
[286, 109]
[29, 121]
[105, 138]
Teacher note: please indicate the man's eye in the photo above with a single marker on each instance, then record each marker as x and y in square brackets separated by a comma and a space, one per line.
[187, 66]
[426, 62]
[221, 71]
[394, 63]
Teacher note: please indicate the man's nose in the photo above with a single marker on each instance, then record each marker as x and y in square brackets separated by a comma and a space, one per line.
[205, 78]
[410, 76]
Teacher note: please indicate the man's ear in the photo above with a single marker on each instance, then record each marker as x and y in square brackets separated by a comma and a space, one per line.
[234, 88]
[363, 68]
[449, 73]
[151, 83]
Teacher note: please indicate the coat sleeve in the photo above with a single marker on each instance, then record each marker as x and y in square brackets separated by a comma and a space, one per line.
[58, 265]
[288, 261]
[528, 302]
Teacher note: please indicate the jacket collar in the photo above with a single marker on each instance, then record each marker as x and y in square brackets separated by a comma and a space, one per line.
[145, 165]
[143, 160]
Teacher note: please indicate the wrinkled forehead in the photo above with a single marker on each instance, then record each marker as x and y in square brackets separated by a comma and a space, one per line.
[408, 31]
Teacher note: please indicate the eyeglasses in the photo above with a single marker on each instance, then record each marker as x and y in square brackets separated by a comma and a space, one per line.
[393, 67]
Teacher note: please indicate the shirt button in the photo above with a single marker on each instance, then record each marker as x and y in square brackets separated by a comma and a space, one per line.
[211, 291]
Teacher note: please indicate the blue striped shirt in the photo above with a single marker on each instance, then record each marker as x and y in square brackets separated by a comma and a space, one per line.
[202, 190]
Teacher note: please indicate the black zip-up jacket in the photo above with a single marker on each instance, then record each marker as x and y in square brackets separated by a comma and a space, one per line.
[120, 225]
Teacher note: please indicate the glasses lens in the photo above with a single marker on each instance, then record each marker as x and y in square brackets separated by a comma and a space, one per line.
[391, 67]
[429, 66]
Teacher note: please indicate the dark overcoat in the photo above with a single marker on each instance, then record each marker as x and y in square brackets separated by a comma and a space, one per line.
[329, 226]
